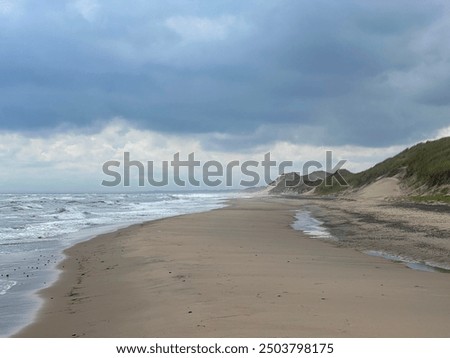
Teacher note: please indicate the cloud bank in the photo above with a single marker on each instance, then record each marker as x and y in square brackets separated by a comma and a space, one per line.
[72, 161]
[227, 77]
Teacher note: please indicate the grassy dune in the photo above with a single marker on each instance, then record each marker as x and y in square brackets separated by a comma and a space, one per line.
[425, 168]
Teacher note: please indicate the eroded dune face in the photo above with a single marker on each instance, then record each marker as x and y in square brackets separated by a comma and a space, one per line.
[383, 188]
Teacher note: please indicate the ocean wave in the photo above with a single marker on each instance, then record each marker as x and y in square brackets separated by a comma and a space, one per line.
[37, 226]
[6, 285]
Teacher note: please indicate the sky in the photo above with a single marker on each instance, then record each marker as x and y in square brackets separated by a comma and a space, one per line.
[82, 81]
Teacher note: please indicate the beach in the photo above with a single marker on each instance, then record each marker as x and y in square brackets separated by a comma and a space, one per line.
[243, 271]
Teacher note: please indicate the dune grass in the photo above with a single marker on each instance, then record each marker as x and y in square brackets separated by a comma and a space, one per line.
[431, 198]
[423, 164]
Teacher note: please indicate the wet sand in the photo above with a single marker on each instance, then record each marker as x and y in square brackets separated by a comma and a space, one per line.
[418, 232]
[241, 271]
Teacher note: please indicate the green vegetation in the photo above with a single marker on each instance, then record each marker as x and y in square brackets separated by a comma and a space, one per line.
[326, 189]
[430, 198]
[425, 164]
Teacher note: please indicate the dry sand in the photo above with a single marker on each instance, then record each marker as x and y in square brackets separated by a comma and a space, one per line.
[237, 272]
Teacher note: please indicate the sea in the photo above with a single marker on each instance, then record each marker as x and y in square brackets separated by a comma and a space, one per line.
[35, 229]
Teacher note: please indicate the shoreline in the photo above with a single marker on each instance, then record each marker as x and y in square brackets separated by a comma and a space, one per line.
[86, 235]
[34, 299]
[39, 269]
[235, 271]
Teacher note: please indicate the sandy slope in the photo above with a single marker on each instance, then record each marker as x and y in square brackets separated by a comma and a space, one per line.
[383, 188]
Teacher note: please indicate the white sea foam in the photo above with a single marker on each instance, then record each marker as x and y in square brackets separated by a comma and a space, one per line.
[6, 285]
[36, 228]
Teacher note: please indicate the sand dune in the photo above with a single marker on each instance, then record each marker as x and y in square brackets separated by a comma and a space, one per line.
[382, 188]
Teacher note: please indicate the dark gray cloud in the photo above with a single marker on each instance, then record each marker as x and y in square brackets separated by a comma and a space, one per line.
[314, 71]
